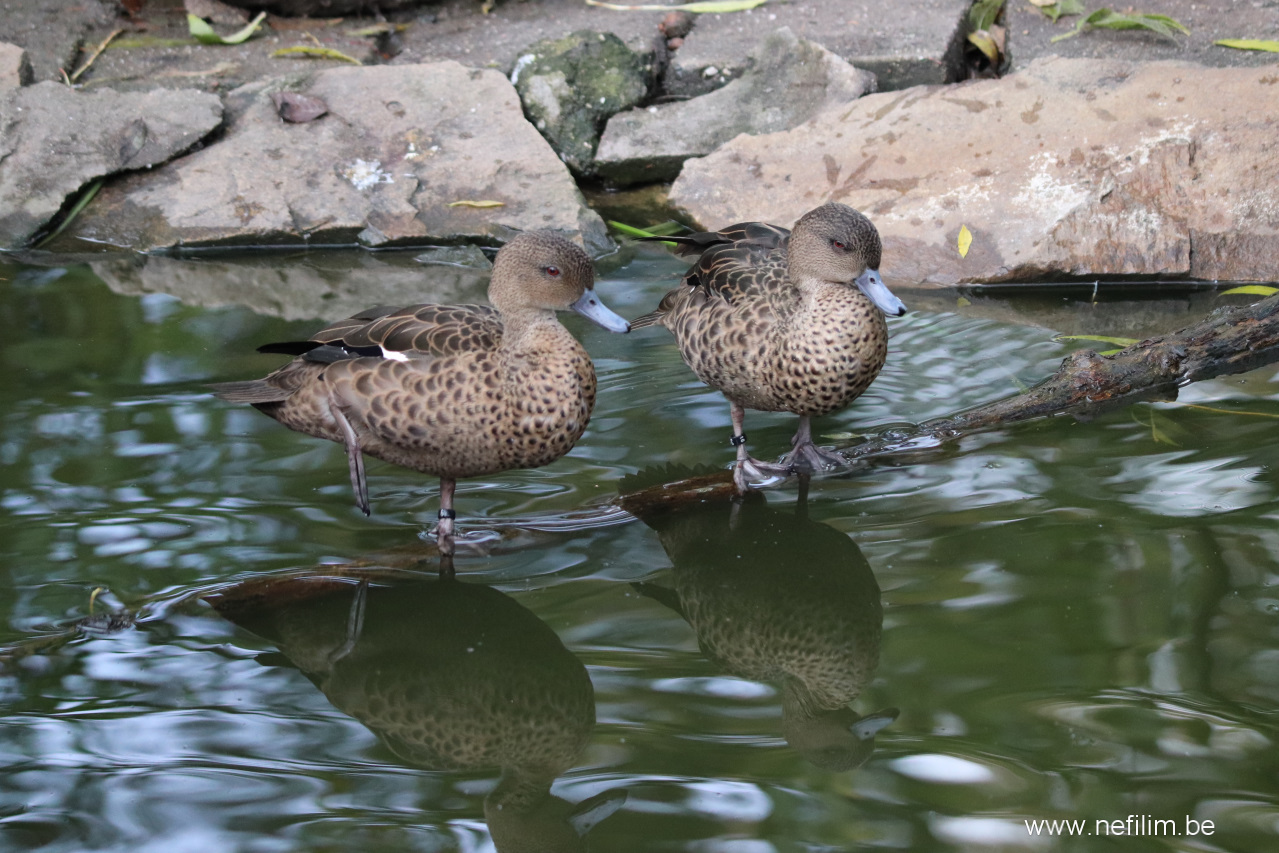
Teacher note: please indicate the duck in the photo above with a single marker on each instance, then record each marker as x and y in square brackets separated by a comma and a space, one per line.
[782, 320]
[452, 391]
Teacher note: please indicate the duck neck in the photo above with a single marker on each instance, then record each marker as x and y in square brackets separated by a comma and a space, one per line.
[529, 327]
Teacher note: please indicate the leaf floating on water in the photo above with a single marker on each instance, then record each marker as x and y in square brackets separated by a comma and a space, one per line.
[963, 302]
[205, 34]
[702, 7]
[965, 240]
[316, 53]
[662, 230]
[1251, 290]
[1250, 44]
[469, 203]
[1122, 342]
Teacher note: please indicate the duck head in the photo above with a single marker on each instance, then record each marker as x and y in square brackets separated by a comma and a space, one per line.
[838, 244]
[542, 271]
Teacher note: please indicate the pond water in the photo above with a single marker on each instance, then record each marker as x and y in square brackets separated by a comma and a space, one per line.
[1057, 621]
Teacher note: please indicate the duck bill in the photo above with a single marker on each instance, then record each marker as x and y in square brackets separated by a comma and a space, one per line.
[590, 307]
[875, 289]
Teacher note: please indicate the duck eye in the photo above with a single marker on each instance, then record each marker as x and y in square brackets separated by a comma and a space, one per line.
[838, 245]
[553, 272]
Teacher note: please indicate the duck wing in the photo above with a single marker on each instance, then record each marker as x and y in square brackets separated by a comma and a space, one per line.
[417, 331]
[754, 233]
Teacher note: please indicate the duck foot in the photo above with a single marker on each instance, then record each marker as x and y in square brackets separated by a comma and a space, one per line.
[749, 470]
[807, 456]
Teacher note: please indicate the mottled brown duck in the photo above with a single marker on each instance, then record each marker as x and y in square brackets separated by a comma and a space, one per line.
[450, 390]
[783, 321]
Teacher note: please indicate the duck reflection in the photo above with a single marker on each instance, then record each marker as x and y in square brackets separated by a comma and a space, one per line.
[452, 676]
[776, 597]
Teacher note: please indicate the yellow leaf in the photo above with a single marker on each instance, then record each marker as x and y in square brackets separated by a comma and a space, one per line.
[469, 203]
[1251, 290]
[1250, 44]
[963, 302]
[316, 53]
[965, 240]
[1042, 3]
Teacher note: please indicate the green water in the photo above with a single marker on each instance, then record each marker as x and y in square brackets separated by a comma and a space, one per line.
[1061, 620]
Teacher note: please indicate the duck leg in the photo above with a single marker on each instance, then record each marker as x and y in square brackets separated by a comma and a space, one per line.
[354, 456]
[805, 454]
[444, 530]
[749, 468]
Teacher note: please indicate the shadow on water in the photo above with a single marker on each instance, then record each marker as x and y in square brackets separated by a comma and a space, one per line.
[776, 597]
[451, 676]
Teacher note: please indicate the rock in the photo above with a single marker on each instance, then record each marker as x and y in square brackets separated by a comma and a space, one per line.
[324, 8]
[328, 286]
[53, 33]
[1070, 168]
[570, 87]
[399, 148]
[789, 81]
[905, 43]
[54, 140]
[15, 69]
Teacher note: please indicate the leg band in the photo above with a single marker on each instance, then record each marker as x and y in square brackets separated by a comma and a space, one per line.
[447, 513]
[738, 440]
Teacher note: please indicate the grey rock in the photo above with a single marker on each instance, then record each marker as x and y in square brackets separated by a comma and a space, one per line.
[54, 140]
[789, 81]
[905, 43]
[1072, 167]
[15, 68]
[455, 256]
[399, 146]
[570, 86]
[52, 33]
[324, 8]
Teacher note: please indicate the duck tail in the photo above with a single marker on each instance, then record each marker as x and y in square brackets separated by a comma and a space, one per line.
[251, 391]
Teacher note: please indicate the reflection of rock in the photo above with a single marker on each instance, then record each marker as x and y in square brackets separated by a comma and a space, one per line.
[54, 140]
[398, 147]
[789, 81]
[1071, 167]
[775, 597]
[452, 676]
[327, 286]
[570, 86]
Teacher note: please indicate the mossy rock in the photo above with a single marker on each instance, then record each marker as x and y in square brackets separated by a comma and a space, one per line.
[570, 87]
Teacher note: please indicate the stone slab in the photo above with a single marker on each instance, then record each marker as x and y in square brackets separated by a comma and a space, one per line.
[15, 68]
[1071, 167]
[398, 146]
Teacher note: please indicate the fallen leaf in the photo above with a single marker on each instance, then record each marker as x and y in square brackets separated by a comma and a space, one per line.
[1122, 342]
[1109, 19]
[316, 53]
[1250, 44]
[703, 7]
[965, 240]
[1060, 8]
[1251, 290]
[469, 203]
[963, 302]
[982, 41]
[298, 108]
[217, 12]
[205, 34]
[983, 14]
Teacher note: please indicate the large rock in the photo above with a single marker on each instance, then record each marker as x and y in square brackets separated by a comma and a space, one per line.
[53, 33]
[789, 81]
[398, 146]
[15, 68]
[54, 140]
[904, 43]
[570, 86]
[1069, 168]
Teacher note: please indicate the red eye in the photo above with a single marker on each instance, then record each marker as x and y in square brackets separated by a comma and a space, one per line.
[837, 244]
[553, 272]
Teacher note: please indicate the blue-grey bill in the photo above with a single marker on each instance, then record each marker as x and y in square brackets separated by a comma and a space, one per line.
[873, 286]
[590, 307]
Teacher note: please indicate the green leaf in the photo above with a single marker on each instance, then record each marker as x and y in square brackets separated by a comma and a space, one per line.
[983, 13]
[1122, 342]
[316, 53]
[1109, 19]
[466, 202]
[1060, 9]
[1251, 290]
[205, 34]
[1250, 44]
[81, 203]
[698, 8]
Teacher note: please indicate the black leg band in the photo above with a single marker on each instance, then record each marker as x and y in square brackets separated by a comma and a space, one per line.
[448, 513]
[738, 440]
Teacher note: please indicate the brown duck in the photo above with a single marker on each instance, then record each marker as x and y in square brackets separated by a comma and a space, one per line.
[450, 390]
[783, 321]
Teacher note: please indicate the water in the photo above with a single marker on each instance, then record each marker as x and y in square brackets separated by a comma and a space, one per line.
[1061, 620]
